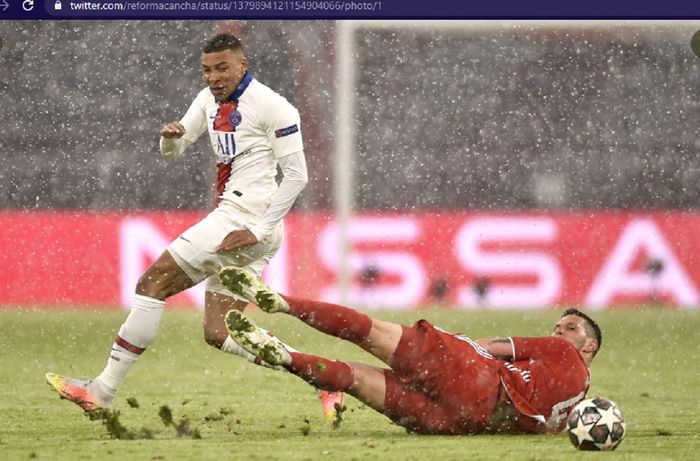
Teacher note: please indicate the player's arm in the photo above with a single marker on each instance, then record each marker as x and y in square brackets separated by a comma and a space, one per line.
[542, 348]
[288, 148]
[177, 136]
[283, 127]
[295, 178]
[501, 348]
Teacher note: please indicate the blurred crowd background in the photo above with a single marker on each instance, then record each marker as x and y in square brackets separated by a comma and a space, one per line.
[491, 117]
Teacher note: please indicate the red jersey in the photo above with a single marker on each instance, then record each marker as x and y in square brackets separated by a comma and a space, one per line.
[545, 379]
[442, 383]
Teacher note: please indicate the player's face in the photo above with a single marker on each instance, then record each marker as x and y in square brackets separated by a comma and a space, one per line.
[222, 71]
[573, 329]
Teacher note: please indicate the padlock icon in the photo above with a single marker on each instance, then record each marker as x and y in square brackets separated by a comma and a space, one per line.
[58, 5]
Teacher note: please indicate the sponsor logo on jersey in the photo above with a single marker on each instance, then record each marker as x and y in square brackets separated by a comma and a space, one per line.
[286, 131]
[226, 146]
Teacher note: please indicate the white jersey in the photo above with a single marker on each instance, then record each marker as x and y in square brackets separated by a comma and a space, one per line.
[249, 135]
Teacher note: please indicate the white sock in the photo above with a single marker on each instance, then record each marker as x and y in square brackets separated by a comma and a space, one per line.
[231, 347]
[135, 334]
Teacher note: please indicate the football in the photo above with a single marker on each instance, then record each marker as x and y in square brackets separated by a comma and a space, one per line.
[596, 424]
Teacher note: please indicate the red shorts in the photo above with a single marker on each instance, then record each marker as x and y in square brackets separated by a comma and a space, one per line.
[440, 383]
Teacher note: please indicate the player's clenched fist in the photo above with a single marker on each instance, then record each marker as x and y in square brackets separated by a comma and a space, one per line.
[173, 130]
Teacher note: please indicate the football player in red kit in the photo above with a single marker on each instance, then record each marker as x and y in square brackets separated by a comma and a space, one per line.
[436, 382]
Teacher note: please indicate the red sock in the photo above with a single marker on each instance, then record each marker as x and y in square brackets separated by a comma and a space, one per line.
[330, 375]
[331, 319]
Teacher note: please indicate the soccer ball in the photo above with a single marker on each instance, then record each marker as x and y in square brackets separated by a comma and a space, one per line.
[596, 424]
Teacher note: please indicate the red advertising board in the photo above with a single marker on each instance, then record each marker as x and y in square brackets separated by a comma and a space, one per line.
[496, 260]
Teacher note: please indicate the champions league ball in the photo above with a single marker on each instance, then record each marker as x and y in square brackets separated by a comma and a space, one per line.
[596, 424]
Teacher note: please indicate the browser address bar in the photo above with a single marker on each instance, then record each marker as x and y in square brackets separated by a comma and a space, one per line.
[212, 8]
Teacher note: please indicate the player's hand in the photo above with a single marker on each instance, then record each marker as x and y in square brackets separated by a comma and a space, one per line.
[173, 130]
[237, 239]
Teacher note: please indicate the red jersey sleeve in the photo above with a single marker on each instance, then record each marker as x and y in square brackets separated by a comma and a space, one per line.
[545, 379]
[544, 348]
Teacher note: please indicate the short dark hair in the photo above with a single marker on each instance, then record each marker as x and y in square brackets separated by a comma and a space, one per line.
[221, 42]
[591, 323]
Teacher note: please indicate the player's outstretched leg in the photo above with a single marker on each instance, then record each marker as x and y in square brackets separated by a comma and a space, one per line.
[332, 375]
[256, 340]
[233, 348]
[377, 337]
[251, 287]
[331, 319]
[255, 290]
[86, 394]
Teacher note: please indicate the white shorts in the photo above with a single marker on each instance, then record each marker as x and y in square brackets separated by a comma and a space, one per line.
[195, 249]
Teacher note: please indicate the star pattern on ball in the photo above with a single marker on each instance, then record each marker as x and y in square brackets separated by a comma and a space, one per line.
[596, 424]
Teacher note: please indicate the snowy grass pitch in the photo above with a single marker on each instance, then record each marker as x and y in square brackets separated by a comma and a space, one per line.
[649, 365]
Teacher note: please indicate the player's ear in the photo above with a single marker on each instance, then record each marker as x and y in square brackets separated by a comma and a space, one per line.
[591, 346]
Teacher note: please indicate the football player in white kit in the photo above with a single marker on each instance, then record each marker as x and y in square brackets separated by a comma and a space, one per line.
[251, 129]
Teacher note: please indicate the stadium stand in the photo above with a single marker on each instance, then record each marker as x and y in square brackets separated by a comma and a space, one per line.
[445, 119]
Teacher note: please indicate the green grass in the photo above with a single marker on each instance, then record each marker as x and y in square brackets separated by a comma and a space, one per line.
[649, 365]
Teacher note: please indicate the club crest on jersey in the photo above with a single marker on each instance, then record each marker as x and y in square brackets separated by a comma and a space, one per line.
[286, 131]
[235, 118]
[227, 117]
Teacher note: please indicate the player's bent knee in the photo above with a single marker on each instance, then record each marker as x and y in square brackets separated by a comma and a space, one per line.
[161, 282]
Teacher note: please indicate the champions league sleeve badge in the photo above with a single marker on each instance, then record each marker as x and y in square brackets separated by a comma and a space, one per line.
[235, 118]
[286, 131]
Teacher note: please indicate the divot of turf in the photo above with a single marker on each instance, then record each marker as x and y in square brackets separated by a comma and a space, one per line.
[338, 414]
[166, 415]
[114, 427]
[220, 415]
[116, 430]
[132, 402]
[306, 428]
[214, 417]
[183, 429]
